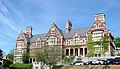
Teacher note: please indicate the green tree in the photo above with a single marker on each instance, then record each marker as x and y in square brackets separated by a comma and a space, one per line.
[40, 56]
[25, 57]
[7, 63]
[10, 56]
[67, 60]
[49, 55]
[117, 41]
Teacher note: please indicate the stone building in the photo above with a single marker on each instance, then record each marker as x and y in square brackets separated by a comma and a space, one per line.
[74, 42]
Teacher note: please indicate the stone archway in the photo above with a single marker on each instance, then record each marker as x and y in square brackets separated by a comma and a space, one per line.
[71, 52]
[33, 59]
[76, 51]
[67, 52]
[81, 51]
[30, 60]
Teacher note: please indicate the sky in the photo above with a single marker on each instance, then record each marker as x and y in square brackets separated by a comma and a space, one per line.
[16, 15]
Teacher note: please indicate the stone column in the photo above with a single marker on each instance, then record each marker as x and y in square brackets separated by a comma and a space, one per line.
[73, 51]
[83, 52]
[32, 60]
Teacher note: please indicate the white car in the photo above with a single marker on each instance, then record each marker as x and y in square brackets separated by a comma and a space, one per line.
[79, 62]
[97, 62]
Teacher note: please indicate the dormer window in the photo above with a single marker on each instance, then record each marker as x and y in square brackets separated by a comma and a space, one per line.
[52, 31]
[76, 40]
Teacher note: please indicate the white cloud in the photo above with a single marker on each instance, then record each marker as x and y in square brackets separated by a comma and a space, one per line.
[5, 13]
[9, 23]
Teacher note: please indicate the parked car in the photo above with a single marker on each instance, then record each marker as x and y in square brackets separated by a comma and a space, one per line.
[97, 61]
[105, 62]
[73, 63]
[94, 62]
[110, 61]
[88, 63]
[79, 63]
[117, 60]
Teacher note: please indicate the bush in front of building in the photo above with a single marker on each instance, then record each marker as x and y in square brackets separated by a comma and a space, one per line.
[7, 63]
[20, 66]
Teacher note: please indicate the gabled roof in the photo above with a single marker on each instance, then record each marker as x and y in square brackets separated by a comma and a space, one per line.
[80, 31]
[35, 37]
[26, 36]
[60, 31]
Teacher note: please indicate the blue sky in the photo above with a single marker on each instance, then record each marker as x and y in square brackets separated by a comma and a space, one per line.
[16, 15]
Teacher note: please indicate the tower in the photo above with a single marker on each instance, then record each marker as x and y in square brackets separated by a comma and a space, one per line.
[100, 17]
[68, 26]
[29, 31]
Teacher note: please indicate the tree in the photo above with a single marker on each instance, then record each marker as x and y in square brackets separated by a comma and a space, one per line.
[67, 60]
[40, 56]
[7, 63]
[10, 56]
[117, 41]
[25, 57]
[54, 54]
[49, 55]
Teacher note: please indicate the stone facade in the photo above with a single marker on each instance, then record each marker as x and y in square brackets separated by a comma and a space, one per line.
[72, 41]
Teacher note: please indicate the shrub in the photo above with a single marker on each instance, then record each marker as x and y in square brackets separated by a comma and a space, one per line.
[20, 66]
[7, 63]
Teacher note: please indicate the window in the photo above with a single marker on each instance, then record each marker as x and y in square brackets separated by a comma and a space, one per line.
[52, 31]
[19, 60]
[97, 35]
[97, 26]
[20, 43]
[68, 42]
[76, 40]
[18, 52]
[98, 47]
[38, 44]
[52, 40]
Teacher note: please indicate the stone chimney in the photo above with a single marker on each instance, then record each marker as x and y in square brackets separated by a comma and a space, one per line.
[29, 31]
[68, 26]
[100, 17]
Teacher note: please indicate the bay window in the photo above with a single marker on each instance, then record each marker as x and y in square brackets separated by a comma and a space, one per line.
[20, 44]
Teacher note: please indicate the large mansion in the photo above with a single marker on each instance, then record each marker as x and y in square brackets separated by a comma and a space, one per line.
[95, 41]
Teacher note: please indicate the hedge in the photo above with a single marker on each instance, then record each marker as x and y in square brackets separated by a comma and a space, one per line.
[20, 66]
